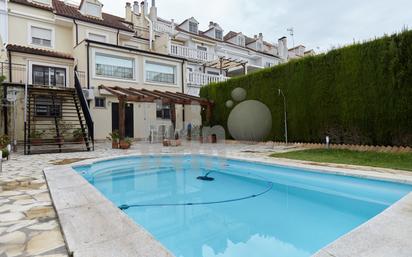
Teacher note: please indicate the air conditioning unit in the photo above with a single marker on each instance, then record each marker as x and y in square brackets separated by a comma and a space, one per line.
[88, 94]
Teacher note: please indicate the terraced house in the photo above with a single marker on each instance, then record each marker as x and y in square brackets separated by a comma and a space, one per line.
[74, 71]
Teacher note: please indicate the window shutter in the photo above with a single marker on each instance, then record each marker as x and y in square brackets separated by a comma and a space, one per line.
[41, 33]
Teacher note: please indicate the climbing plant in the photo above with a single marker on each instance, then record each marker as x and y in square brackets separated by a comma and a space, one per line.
[360, 94]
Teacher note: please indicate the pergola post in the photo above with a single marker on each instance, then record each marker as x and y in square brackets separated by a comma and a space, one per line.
[122, 117]
[173, 115]
[244, 69]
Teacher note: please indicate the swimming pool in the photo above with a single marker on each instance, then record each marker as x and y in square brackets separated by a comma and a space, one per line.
[249, 209]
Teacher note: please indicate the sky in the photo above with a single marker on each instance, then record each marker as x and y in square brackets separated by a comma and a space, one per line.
[318, 24]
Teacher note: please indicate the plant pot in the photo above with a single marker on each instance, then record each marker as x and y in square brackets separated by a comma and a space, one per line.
[115, 144]
[79, 140]
[124, 145]
[166, 142]
[36, 141]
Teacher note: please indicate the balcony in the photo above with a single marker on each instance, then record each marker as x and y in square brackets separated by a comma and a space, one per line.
[163, 28]
[203, 79]
[192, 53]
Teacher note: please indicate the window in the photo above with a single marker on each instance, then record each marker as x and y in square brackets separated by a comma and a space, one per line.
[100, 102]
[241, 41]
[44, 2]
[114, 67]
[219, 34]
[48, 107]
[268, 64]
[163, 111]
[49, 76]
[156, 72]
[41, 36]
[202, 48]
[193, 27]
[93, 9]
[97, 37]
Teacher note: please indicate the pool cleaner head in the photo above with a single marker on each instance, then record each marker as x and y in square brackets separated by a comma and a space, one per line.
[206, 177]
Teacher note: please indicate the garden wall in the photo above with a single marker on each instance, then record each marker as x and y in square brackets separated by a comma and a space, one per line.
[360, 94]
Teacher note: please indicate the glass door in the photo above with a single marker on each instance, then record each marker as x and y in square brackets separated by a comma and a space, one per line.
[49, 76]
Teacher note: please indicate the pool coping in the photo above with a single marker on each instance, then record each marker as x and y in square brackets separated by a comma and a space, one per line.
[83, 214]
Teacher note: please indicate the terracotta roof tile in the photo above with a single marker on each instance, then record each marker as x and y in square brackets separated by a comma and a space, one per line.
[108, 20]
[37, 51]
[25, 2]
[62, 9]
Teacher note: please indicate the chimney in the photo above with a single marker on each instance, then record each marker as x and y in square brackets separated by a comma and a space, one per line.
[283, 50]
[261, 36]
[153, 11]
[146, 7]
[255, 36]
[211, 24]
[136, 9]
[142, 8]
[128, 12]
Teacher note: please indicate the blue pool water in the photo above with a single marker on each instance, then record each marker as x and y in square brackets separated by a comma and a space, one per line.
[249, 210]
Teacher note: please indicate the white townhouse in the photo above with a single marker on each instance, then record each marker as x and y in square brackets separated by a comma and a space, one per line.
[213, 54]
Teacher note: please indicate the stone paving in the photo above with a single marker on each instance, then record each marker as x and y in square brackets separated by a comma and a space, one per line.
[28, 222]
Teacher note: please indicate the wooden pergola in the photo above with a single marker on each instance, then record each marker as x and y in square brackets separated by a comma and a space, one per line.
[125, 95]
[224, 63]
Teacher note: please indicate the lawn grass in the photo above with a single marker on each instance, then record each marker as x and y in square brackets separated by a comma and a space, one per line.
[400, 161]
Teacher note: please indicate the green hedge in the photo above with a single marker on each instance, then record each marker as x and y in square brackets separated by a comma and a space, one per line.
[360, 94]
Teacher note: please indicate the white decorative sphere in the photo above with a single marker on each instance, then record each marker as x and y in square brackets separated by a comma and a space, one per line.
[250, 121]
[239, 94]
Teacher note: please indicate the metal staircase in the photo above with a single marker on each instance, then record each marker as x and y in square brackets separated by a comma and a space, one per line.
[57, 120]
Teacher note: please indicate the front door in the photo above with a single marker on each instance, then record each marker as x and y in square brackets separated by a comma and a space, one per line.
[129, 121]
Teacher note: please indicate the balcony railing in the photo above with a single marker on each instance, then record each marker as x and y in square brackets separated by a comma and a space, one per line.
[163, 27]
[202, 79]
[18, 73]
[192, 53]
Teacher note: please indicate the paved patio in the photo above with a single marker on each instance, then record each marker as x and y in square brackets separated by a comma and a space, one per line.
[28, 222]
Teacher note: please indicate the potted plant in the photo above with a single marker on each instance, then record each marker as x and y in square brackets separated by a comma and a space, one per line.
[36, 137]
[4, 141]
[114, 137]
[125, 143]
[78, 135]
[5, 153]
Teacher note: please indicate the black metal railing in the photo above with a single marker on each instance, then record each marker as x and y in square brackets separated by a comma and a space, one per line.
[85, 107]
[13, 73]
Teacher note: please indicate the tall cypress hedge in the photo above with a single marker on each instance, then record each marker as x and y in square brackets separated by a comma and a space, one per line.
[360, 94]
